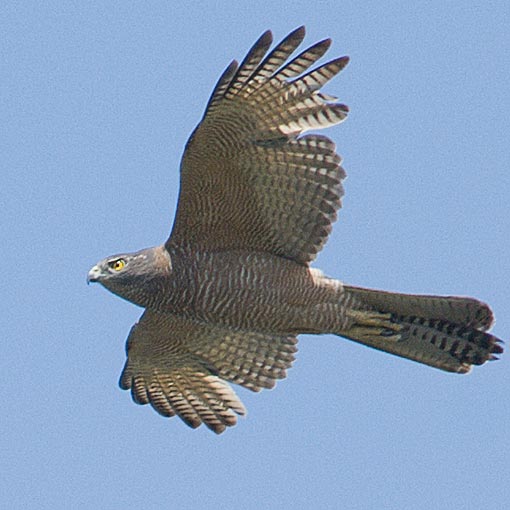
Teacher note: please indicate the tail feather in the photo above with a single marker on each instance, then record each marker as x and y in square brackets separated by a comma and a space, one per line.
[448, 333]
[459, 310]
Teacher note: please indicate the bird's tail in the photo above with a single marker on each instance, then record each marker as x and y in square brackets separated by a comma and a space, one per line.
[449, 333]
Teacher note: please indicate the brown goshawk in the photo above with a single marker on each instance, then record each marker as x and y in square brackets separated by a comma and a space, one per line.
[229, 291]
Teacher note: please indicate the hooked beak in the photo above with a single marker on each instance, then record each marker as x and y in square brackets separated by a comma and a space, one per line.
[94, 274]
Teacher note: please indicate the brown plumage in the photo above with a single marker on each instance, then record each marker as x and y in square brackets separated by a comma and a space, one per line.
[231, 288]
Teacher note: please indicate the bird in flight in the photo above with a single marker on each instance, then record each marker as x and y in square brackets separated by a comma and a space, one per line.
[230, 290]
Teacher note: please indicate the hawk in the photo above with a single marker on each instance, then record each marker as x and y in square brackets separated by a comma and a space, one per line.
[230, 290]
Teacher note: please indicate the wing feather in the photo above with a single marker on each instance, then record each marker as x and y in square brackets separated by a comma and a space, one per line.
[250, 64]
[279, 55]
[249, 179]
[181, 367]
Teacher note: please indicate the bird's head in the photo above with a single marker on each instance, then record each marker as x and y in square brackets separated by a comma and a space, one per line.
[133, 276]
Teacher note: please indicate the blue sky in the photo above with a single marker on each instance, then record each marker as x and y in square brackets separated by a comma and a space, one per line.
[97, 101]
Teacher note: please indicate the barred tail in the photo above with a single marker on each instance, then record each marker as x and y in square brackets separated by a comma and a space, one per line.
[448, 333]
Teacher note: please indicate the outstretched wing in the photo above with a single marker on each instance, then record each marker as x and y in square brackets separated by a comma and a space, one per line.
[180, 367]
[248, 179]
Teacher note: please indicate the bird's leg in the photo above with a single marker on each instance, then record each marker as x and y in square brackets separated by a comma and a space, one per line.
[367, 324]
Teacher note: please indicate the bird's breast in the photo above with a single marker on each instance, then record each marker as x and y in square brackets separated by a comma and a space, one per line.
[246, 290]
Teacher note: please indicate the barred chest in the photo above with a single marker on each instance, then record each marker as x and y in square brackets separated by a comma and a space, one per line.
[241, 289]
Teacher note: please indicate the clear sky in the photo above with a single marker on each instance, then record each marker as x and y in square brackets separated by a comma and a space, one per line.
[97, 101]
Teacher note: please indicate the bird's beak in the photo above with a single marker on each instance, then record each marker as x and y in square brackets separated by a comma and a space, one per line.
[94, 274]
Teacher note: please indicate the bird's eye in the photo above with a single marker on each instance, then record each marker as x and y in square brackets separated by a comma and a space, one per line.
[117, 264]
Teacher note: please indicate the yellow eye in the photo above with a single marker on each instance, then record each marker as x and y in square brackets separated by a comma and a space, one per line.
[117, 264]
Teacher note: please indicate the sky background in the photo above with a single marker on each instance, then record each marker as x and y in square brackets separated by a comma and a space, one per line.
[97, 101]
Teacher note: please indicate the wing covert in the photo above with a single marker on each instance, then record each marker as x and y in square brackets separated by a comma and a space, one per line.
[249, 180]
[180, 367]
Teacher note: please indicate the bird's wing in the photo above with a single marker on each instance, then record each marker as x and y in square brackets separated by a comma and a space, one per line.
[180, 367]
[248, 179]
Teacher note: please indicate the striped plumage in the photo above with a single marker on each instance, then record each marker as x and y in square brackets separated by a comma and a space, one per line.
[247, 181]
[231, 288]
[179, 366]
